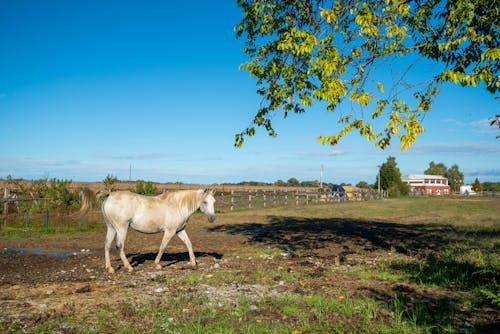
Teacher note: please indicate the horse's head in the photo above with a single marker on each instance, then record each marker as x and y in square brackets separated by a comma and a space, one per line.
[207, 204]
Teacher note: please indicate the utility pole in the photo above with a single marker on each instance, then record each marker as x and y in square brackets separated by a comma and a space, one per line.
[321, 177]
[378, 179]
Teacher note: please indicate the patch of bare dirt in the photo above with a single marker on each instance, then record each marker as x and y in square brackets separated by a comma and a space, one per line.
[64, 274]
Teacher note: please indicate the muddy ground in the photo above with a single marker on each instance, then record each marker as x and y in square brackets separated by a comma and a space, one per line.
[43, 277]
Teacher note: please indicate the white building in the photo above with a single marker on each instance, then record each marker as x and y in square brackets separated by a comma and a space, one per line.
[466, 190]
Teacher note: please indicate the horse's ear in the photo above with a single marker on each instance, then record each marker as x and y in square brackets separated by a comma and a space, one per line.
[207, 192]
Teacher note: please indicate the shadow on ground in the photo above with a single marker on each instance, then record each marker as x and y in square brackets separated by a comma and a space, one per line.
[171, 258]
[432, 251]
[314, 233]
[437, 245]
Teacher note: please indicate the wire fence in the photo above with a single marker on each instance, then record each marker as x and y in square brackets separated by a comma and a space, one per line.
[229, 201]
[23, 217]
[32, 217]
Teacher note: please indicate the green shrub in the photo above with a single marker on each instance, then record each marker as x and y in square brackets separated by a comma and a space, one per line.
[145, 188]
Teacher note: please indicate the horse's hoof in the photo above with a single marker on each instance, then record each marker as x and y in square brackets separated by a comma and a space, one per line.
[111, 270]
[158, 267]
[130, 269]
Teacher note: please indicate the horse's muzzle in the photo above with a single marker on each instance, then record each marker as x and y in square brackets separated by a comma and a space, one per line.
[211, 218]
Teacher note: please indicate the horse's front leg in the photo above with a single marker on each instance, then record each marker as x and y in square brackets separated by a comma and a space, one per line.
[184, 237]
[167, 235]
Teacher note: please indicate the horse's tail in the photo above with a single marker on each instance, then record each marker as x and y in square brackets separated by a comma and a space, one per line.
[90, 200]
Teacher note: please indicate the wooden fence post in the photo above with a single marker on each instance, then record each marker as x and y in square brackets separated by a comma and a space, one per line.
[264, 199]
[249, 199]
[6, 195]
[232, 200]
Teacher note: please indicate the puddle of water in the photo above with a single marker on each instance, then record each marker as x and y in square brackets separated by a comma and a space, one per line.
[31, 251]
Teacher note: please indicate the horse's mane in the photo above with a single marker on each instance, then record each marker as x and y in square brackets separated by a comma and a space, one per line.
[166, 195]
[183, 198]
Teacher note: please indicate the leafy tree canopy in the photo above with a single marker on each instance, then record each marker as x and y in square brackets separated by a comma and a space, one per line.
[436, 169]
[363, 185]
[293, 182]
[109, 181]
[311, 52]
[390, 178]
[455, 177]
[477, 186]
[389, 173]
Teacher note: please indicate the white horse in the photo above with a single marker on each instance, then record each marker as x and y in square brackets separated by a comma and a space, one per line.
[167, 213]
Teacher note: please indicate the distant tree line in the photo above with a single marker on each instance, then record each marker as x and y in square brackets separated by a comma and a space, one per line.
[292, 182]
[485, 186]
[491, 186]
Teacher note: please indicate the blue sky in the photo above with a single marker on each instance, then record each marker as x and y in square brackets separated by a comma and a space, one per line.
[90, 88]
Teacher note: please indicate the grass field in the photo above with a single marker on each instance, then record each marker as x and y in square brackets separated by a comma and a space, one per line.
[410, 265]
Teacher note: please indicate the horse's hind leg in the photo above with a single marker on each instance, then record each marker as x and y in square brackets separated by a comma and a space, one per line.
[110, 235]
[120, 244]
[184, 237]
